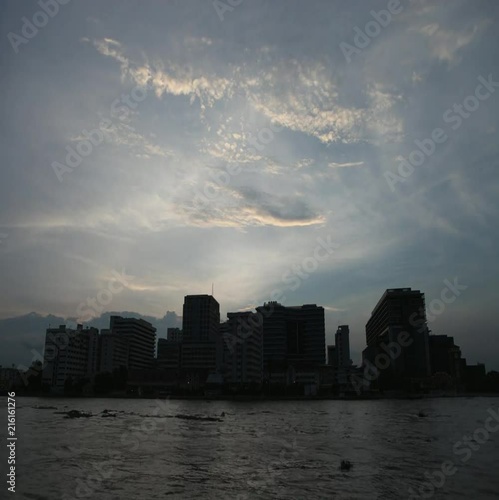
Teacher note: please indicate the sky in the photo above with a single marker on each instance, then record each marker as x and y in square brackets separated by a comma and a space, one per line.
[309, 151]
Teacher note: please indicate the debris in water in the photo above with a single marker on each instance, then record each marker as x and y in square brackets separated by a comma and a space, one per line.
[197, 417]
[74, 414]
[345, 465]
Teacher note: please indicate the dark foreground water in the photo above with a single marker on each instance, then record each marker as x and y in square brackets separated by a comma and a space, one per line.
[288, 450]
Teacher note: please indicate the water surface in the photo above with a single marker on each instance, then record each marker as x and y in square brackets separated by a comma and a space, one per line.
[282, 449]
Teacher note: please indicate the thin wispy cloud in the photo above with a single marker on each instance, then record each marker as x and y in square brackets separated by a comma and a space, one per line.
[346, 165]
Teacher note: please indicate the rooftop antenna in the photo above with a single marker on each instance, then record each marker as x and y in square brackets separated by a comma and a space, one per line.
[212, 289]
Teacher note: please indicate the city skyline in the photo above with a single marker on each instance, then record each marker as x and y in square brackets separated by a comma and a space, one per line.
[292, 134]
[248, 248]
[173, 327]
[275, 350]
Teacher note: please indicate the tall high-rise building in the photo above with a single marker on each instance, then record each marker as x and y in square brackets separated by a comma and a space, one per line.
[70, 355]
[399, 310]
[201, 318]
[344, 363]
[174, 334]
[243, 349]
[332, 359]
[445, 357]
[202, 347]
[113, 351]
[141, 338]
[168, 356]
[342, 342]
[293, 335]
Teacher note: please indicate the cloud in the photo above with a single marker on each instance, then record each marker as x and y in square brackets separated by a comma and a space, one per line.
[111, 48]
[345, 165]
[445, 40]
[124, 134]
[243, 207]
[168, 77]
[211, 91]
[231, 142]
[181, 81]
[311, 104]
[445, 44]
[333, 309]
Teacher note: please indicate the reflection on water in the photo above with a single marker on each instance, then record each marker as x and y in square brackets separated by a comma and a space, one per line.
[264, 450]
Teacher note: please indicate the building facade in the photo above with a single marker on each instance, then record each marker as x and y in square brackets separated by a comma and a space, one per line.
[174, 334]
[141, 338]
[70, 356]
[400, 311]
[445, 356]
[113, 351]
[243, 349]
[10, 378]
[292, 336]
[202, 347]
[332, 359]
[169, 352]
[201, 318]
[344, 362]
[342, 342]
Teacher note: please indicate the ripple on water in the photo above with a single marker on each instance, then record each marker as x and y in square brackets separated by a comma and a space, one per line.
[288, 449]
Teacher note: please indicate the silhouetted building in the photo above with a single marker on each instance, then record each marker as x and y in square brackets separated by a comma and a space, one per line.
[327, 379]
[202, 347]
[342, 342]
[399, 310]
[199, 356]
[475, 377]
[332, 359]
[343, 363]
[292, 336]
[243, 349]
[174, 334]
[445, 356]
[201, 318]
[10, 378]
[69, 356]
[168, 357]
[113, 351]
[141, 338]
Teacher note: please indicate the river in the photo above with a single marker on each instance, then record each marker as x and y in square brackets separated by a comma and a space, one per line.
[189, 449]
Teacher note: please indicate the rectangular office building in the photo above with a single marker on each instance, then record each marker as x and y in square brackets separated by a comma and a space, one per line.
[243, 349]
[399, 310]
[201, 343]
[70, 356]
[141, 338]
[293, 335]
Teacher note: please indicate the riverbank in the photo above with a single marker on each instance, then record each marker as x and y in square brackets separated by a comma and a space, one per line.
[263, 397]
